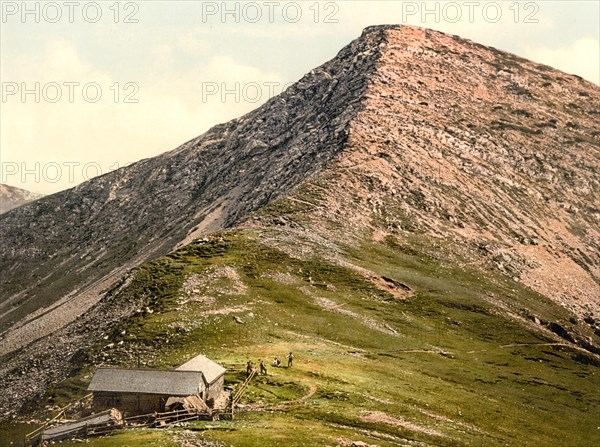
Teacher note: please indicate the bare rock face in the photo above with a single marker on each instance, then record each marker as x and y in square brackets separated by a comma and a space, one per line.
[405, 131]
[479, 146]
[62, 251]
[12, 197]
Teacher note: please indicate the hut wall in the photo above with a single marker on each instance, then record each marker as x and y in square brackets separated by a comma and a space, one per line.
[215, 389]
[129, 403]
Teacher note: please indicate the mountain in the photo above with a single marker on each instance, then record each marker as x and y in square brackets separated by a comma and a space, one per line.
[417, 219]
[99, 229]
[12, 197]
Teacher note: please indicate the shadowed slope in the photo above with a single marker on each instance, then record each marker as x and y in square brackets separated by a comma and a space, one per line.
[64, 243]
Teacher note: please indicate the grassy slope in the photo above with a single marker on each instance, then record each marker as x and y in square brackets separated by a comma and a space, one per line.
[478, 391]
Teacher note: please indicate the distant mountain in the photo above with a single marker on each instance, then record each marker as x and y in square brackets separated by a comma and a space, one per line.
[413, 147]
[12, 197]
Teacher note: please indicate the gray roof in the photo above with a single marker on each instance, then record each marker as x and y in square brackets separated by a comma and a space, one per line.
[150, 381]
[211, 370]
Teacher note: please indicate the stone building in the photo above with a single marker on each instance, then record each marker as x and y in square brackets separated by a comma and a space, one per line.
[141, 391]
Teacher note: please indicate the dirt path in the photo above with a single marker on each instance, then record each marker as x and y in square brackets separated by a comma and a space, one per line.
[512, 345]
[567, 345]
[311, 391]
[381, 417]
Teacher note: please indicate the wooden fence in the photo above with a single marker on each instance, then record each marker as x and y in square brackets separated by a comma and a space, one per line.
[240, 392]
[102, 423]
[61, 412]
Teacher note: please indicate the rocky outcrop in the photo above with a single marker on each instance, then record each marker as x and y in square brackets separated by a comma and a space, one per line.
[478, 147]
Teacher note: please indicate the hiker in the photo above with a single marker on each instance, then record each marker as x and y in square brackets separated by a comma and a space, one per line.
[290, 359]
[249, 367]
[263, 369]
[276, 362]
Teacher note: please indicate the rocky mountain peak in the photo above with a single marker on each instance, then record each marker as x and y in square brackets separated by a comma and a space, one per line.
[442, 134]
[473, 144]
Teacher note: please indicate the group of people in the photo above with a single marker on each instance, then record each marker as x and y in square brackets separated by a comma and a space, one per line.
[290, 359]
[263, 368]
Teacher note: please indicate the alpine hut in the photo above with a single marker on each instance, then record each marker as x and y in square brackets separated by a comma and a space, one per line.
[198, 382]
[140, 391]
[213, 376]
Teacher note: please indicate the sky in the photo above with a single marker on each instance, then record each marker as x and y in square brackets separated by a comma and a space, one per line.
[88, 87]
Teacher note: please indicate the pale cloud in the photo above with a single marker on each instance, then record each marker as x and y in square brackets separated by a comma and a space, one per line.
[172, 107]
[192, 43]
[289, 31]
[581, 57]
[60, 58]
[163, 55]
[57, 59]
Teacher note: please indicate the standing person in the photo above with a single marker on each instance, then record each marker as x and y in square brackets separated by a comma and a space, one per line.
[249, 367]
[263, 368]
[290, 359]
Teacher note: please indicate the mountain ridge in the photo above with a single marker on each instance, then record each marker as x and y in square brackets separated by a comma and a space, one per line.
[168, 187]
[423, 153]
